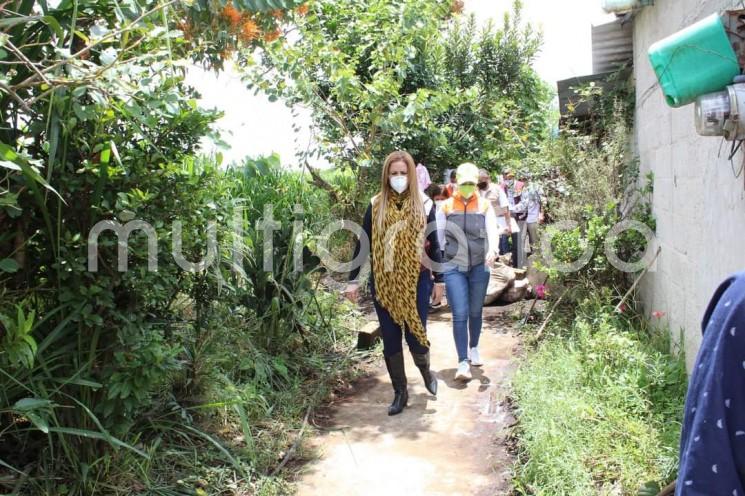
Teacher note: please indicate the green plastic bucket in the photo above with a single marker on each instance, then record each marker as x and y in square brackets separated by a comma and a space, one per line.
[695, 61]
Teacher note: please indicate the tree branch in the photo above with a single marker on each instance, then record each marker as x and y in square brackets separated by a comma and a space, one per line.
[322, 183]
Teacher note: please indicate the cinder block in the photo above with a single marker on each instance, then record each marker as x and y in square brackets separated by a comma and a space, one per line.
[683, 125]
[663, 162]
[681, 236]
[663, 125]
[663, 196]
[368, 335]
[683, 153]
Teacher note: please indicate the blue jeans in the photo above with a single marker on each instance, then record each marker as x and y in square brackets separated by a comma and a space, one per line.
[508, 243]
[391, 332]
[466, 291]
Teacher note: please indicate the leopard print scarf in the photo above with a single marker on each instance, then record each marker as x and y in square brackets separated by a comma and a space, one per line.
[396, 277]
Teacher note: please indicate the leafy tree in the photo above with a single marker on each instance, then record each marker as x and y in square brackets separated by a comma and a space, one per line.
[97, 124]
[382, 74]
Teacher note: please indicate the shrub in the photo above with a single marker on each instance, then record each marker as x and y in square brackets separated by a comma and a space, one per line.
[599, 406]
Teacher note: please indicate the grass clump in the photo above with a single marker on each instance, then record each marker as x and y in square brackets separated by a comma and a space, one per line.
[599, 405]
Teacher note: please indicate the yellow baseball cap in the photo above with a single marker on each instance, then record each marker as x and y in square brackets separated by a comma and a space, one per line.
[467, 173]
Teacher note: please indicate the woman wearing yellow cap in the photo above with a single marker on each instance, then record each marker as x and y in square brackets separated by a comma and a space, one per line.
[471, 246]
[396, 223]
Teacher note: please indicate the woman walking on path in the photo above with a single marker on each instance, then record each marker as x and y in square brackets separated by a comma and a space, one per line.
[468, 256]
[400, 281]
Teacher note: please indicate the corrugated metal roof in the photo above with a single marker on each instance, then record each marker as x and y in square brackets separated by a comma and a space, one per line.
[612, 46]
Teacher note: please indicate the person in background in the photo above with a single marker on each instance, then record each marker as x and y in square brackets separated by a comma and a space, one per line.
[422, 177]
[468, 255]
[438, 194]
[452, 186]
[712, 443]
[531, 203]
[511, 243]
[498, 199]
[400, 281]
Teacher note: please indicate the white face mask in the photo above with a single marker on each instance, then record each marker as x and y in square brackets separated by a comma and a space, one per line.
[399, 183]
[438, 203]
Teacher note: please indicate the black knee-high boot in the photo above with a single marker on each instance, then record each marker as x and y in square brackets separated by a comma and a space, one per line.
[395, 366]
[422, 363]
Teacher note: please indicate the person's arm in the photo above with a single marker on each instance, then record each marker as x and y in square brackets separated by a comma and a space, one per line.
[435, 252]
[492, 235]
[505, 205]
[712, 453]
[441, 223]
[507, 221]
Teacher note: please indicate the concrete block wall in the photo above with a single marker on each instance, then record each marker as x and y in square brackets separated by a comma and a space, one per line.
[698, 203]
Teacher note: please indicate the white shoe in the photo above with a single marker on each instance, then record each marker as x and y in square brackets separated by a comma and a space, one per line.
[464, 371]
[475, 357]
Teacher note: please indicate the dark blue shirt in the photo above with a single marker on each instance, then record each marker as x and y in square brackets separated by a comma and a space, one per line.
[712, 445]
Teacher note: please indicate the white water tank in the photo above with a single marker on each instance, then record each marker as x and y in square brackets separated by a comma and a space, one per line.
[620, 6]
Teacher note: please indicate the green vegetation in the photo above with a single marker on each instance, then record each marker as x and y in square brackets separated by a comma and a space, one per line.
[191, 382]
[409, 74]
[141, 381]
[593, 184]
[599, 398]
[599, 405]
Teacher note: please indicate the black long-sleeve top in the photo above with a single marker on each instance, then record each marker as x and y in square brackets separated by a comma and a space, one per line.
[432, 244]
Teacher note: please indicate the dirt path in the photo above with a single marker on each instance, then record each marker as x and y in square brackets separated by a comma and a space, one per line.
[446, 446]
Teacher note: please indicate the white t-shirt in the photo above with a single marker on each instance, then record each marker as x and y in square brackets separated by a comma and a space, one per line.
[498, 198]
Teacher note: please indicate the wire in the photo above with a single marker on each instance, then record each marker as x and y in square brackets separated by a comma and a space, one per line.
[736, 146]
[735, 149]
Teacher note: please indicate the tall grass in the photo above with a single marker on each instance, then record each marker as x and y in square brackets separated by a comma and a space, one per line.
[599, 405]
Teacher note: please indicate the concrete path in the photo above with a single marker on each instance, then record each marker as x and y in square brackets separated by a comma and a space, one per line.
[446, 446]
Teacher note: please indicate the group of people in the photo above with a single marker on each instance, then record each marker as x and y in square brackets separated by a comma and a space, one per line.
[453, 237]
[423, 245]
[517, 202]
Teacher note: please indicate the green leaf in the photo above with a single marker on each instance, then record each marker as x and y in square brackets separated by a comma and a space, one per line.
[97, 435]
[9, 265]
[38, 421]
[8, 154]
[53, 25]
[10, 165]
[29, 404]
[9, 22]
[81, 382]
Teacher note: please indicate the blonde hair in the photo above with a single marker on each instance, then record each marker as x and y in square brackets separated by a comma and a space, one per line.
[385, 188]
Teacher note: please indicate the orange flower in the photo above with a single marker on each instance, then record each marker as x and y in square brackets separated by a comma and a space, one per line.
[231, 15]
[457, 7]
[277, 13]
[302, 9]
[226, 54]
[249, 31]
[272, 35]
